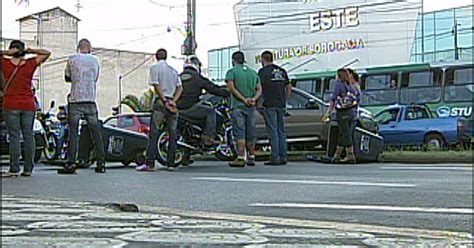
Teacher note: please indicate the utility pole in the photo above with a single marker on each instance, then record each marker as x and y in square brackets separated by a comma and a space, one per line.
[422, 31]
[189, 46]
[455, 33]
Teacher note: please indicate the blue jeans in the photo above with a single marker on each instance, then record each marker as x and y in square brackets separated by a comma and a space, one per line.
[275, 124]
[201, 111]
[159, 115]
[20, 121]
[90, 113]
[244, 123]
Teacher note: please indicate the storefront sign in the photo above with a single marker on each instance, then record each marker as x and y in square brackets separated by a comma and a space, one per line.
[334, 19]
[318, 48]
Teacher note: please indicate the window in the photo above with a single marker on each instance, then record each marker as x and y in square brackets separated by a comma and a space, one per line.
[145, 120]
[126, 121]
[328, 88]
[417, 113]
[383, 81]
[112, 122]
[422, 78]
[459, 85]
[296, 101]
[306, 85]
[387, 116]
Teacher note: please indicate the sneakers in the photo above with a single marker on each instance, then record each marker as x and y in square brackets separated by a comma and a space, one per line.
[100, 167]
[273, 163]
[83, 165]
[238, 162]
[251, 160]
[69, 168]
[145, 168]
[10, 174]
[26, 174]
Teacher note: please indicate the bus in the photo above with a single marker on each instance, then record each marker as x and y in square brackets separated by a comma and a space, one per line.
[446, 88]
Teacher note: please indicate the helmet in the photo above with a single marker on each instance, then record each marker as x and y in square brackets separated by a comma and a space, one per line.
[192, 62]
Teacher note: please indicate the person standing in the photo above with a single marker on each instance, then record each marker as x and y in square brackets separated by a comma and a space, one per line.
[276, 89]
[244, 85]
[167, 84]
[344, 100]
[82, 72]
[19, 104]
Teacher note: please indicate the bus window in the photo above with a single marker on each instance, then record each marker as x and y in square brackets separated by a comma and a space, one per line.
[328, 88]
[318, 87]
[459, 85]
[306, 85]
[380, 89]
[421, 87]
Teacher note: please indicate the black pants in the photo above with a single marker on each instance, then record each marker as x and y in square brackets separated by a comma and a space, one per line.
[345, 120]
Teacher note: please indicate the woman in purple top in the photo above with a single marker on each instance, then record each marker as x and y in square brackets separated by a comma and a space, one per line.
[344, 99]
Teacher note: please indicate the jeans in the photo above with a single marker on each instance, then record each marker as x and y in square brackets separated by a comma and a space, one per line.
[345, 120]
[160, 114]
[275, 125]
[20, 121]
[244, 123]
[90, 113]
[202, 111]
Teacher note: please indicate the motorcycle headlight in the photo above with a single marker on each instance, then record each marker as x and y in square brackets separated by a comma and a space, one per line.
[37, 127]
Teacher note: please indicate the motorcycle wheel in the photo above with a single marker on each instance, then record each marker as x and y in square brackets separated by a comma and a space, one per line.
[162, 147]
[50, 150]
[226, 150]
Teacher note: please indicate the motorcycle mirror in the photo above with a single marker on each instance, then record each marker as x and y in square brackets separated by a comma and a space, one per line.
[52, 104]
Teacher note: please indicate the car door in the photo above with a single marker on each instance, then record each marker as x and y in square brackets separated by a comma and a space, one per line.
[414, 126]
[303, 118]
[388, 121]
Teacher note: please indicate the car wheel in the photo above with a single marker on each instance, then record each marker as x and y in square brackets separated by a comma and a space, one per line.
[434, 141]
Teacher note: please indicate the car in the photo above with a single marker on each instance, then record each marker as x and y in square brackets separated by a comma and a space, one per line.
[135, 122]
[39, 139]
[302, 120]
[416, 125]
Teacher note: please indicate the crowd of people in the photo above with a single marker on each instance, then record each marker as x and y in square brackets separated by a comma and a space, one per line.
[250, 92]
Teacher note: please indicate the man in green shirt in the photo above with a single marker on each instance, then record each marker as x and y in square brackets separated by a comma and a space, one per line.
[244, 85]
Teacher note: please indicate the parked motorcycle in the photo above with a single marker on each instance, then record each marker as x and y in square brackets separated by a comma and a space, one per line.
[51, 132]
[190, 133]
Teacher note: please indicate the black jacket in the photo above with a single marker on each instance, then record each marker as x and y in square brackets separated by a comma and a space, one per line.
[193, 85]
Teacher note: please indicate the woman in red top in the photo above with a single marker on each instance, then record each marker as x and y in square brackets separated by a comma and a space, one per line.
[19, 102]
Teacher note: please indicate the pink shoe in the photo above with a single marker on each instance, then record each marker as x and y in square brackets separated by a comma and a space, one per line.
[144, 168]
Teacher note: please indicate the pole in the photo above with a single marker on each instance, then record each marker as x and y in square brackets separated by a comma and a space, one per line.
[422, 30]
[455, 31]
[41, 78]
[193, 26]
[120, 95]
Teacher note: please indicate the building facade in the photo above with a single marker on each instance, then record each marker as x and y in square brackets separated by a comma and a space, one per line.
[324, 35]
[220, 60]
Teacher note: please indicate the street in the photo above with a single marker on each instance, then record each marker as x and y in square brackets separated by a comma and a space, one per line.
[395, 199]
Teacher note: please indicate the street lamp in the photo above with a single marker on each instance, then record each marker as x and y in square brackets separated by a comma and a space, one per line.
[455, 33]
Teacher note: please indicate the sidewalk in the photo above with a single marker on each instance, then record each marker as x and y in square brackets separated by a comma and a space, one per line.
[39, 222]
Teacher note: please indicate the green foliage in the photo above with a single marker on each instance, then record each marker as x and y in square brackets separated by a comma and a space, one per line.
[142, 103]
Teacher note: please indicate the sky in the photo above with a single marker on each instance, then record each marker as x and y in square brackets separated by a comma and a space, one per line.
[146, 25]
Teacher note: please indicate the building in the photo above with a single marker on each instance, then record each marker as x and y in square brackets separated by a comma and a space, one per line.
[322, 35]
[219, 62]
[57, 30]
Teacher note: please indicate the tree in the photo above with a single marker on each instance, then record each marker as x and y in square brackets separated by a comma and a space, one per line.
[140, 104]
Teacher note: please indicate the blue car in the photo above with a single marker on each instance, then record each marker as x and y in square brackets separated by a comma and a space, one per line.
[416, 125]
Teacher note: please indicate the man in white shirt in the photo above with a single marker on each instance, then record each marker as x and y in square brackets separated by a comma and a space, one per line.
[82, 72]
[167, 84]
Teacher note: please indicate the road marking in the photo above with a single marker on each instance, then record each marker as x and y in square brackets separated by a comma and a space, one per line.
[367, 207]
[309, 182]
[459, 168]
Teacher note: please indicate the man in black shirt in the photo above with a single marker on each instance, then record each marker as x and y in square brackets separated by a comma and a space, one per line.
[276, 89]
[190, 104]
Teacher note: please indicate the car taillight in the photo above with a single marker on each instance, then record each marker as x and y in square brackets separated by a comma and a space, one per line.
[144, 130]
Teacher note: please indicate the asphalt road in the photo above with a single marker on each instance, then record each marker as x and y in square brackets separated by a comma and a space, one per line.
[434, 197]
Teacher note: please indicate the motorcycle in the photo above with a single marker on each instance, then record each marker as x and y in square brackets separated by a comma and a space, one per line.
[190, 133]
[51, 133]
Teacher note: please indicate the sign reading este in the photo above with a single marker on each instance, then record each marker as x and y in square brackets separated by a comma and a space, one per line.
[334, 19]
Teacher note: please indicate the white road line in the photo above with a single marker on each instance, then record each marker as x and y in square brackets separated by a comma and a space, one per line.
[308, 182]
[366, 207]
[459, 168]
